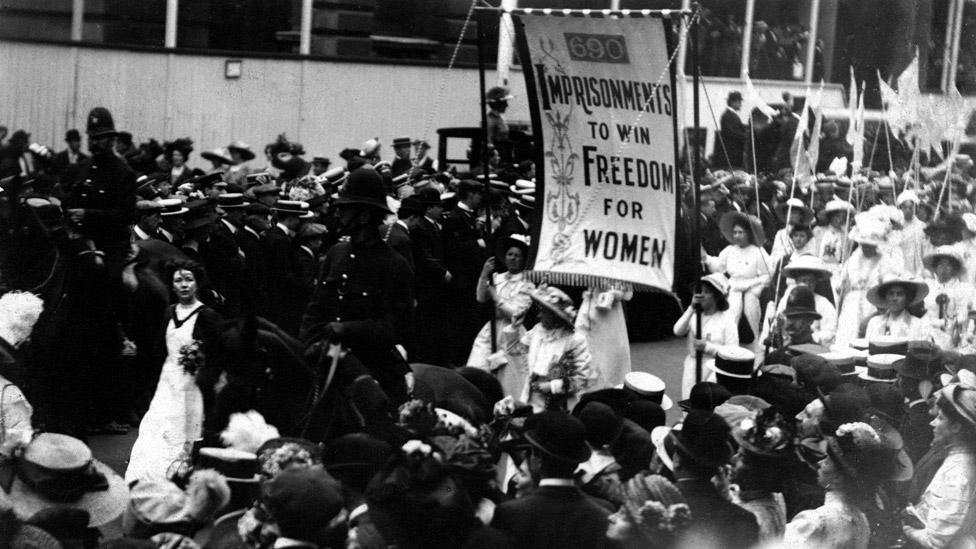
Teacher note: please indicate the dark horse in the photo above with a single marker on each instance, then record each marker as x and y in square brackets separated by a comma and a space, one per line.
[76, 375]
[254, 365]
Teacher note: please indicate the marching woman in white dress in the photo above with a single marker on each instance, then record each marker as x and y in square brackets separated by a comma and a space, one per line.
[601, 318]
[895, 294]
[863, 270]
[950, 295]
[832, 240]
[509, 291]
[175, 417]
[747, 265]
[719, 329]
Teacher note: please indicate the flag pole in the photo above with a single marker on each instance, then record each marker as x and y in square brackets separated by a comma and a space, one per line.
[696, 161]
[484, 164]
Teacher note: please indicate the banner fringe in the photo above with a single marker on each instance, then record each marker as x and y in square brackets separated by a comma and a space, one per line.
[587, 281]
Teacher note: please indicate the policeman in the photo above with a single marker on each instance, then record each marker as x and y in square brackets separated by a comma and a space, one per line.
[364, 294]
[102, 204]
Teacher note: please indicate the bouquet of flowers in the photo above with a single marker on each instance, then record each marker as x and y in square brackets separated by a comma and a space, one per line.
[191, 357]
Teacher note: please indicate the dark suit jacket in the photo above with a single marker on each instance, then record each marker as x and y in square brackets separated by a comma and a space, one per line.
[428, 256]
[717, 519]
[225, 265]
[399, 239]
[285, 286]
[463, 255]
[400, 166]
[61, 166]
[560, 517]
[255, 270]
[734, 136]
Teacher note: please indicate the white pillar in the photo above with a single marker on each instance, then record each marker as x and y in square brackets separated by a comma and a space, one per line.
[506, 43]
[615, 5]
[172, 9]
[812, 41]
[956, 36]
[683, 52]
[747, 38]
[77, 19]
[947, 46]
[305, 45]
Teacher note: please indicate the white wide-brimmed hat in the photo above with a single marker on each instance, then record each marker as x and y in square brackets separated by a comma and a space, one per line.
[876, 294]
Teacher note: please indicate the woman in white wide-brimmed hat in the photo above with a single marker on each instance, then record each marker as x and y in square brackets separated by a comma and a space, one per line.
[719, 329]
[794, 213]
[557, 354]
[833, 242]
[950, 294]
[862, 271]
[895, 294]
[809, 271]
[747, 265]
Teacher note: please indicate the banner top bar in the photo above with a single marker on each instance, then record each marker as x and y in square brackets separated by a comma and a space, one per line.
[586, 12]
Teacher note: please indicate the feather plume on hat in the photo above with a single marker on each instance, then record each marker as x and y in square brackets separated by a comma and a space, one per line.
[247, 432]
[19, 312]
[207, 492]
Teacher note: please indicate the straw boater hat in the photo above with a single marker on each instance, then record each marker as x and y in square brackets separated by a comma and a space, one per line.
[876, 294]
[731, 219]
[807, 263]
[556, 301]
[648, 386]
[58, 471]
[881, 368]
[795, 205]
[945, 252]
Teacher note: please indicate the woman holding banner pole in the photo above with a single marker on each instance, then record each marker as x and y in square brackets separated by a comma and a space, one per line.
[718, 329]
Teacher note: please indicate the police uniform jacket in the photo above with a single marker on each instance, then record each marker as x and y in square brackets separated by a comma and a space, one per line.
[366, 288]
[107, 193]
[284, 284]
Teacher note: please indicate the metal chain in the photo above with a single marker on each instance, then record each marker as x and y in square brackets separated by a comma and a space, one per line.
[667, 67]
[450, 65]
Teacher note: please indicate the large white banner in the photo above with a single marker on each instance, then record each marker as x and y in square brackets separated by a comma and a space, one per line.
[603, 105]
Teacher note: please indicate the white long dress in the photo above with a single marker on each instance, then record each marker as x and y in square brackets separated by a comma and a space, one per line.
[512, 291]
[601, 318]
[860, 274]
[719, 329]
[175, 415]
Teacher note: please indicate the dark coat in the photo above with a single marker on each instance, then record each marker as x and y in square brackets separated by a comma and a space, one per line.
[916, 431]
[285, 286]
[398, 238]
[734, 137]
[715, 518]
[428, 256]
[400, 166]
[560, 517]
[464, 254]
[255, 270]
[307, 268]
[185, 175]
[62, 166]
[225, 266]
[107, 193]
[366, 288]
